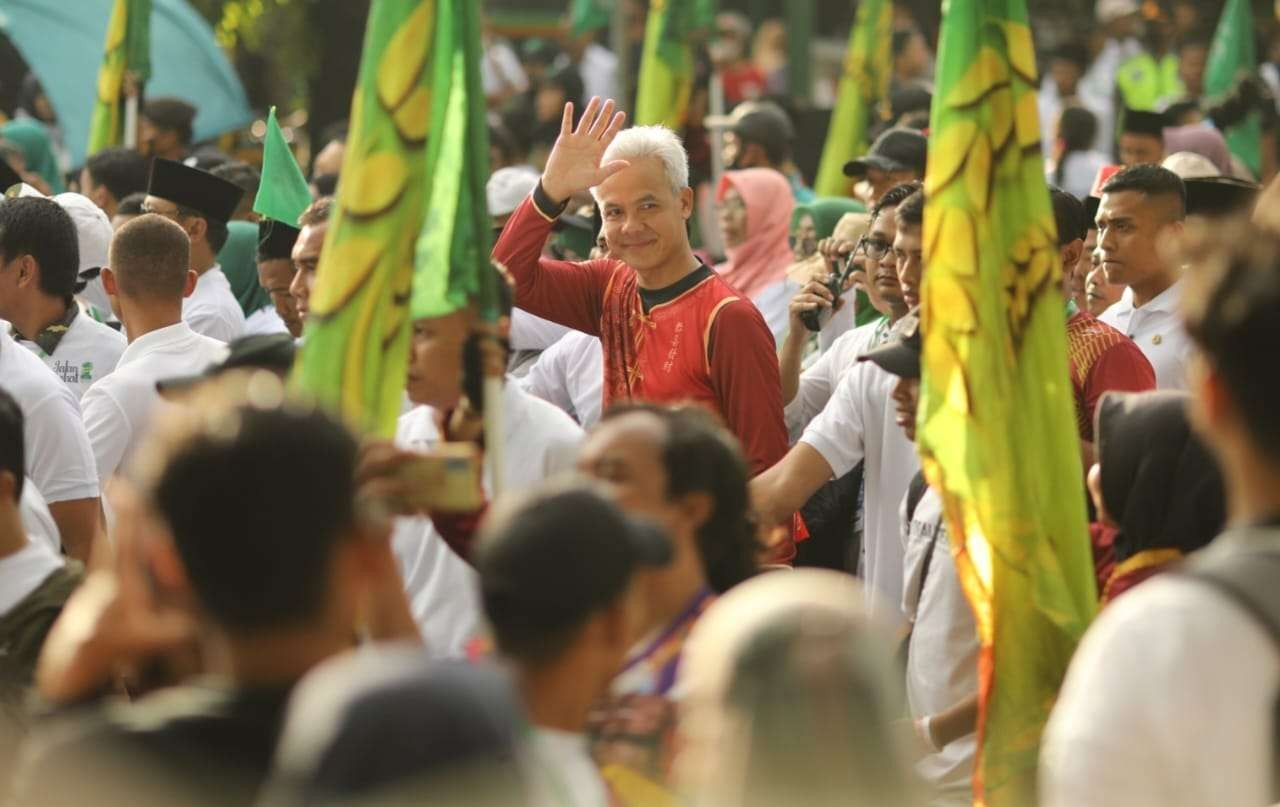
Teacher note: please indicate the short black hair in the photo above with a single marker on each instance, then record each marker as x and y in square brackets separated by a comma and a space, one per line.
[895, 196]
[132, 204]
[1068, 215]
[700, 456]
[336, 131]
[150, 257]
[1074, 52]
[1232, 313]
[1150, 180]
[12, 449]
[911, 211]
[1077, 128]
[122, 171]
[325, 184]
[253, 564]
[243, 176]
[171, 113]
[39, 227]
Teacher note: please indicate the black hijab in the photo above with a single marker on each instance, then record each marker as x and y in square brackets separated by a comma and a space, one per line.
[1158, 482]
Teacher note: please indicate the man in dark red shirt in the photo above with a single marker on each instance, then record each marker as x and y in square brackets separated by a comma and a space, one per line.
[671, 329]
[1101, 357]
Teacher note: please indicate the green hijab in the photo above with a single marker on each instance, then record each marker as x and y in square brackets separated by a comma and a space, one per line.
[32, 139]
[826, 212]
[239, 261]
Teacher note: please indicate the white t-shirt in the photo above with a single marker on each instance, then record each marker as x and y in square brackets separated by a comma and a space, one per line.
[444, 592]
[858, 425]
[88, 351]
[212, 309]
[942, 656]
[570, 374]
[819, 381]
[774, 304]
[1169, 702]
[23, 571]
[59, 457]
[561, 772]
[37, 521]
[118, 409]
[265, 321]
[533, 333]
[1157, 329]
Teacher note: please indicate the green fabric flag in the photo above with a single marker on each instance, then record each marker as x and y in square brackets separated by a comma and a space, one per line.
[666, 60]
[283, 193]
[356, 347]
[452, 258]
[868, 66]
[996, 391]
[589, 15]
[1231, 56]
[127, 50]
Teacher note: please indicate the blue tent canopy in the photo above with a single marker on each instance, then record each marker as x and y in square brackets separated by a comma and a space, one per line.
[62, 42]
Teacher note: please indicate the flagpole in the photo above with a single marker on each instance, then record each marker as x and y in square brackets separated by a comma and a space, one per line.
[131, 121]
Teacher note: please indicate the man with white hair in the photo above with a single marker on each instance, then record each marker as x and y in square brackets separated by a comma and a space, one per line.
[671, 329]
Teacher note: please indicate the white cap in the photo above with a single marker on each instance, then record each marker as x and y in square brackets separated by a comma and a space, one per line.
[508, 187]
[1189, 165]
[1111, 10]
[93, 229]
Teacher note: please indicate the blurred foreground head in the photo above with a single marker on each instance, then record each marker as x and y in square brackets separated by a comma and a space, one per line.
[791, 690]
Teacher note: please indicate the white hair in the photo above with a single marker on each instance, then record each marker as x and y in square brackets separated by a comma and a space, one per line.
[639, 142]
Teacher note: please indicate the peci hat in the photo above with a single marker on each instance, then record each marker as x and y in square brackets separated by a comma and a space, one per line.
[276, 240]
[201, 191]
[508, 187]
[901, 355]
[550, 559]
[1142, 122]
[896, 149]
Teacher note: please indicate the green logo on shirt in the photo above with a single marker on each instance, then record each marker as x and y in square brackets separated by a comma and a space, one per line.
[86, 371]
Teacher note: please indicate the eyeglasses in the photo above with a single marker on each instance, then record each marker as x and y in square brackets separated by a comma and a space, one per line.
[172, 215]
[874, 248]
[804, 247]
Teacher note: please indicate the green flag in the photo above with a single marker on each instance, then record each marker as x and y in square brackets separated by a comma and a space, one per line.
[283, 193]
[357, 333]
[452, 260]
[868, 66]
[996, 430]
[127, 49]
[666, 60]
[589, 15]
[1231, 56]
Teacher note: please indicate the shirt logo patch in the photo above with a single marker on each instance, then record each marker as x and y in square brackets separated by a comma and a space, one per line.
[86, 371]
[68, 372]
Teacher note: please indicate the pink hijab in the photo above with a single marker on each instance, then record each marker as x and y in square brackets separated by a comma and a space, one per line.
[1200, 139]
[763, 258]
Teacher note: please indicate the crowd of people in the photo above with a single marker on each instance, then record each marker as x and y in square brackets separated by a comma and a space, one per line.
[708, 567]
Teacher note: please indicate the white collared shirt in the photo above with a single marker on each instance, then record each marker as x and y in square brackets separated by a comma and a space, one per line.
[570, 374]
[858, 425]
[37, 521]
[58, 453]
[118, 409]
[88, 351]
[212, 309]
[1157, 329]
[819, 381]
[444, 592]
[264, 321]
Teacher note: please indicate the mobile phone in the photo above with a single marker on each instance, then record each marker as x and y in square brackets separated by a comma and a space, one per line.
[445, 479]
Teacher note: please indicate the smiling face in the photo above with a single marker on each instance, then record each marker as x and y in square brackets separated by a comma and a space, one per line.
[644, 219]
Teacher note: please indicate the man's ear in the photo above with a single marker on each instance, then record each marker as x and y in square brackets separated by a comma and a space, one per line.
[696, 508]
[8, 487]
[686, 203]
[109, 282]
[28, 271]
[190, 286]
[1071, 255]
[197, 228]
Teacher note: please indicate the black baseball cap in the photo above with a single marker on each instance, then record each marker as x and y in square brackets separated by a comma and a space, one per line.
[767, 125]
[259, 351]
[896, 149]
[901, 355]
[551, 559]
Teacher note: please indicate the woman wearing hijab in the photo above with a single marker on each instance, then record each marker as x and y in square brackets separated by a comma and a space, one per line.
[1155, 486]
[755, 206]
[33, 139]
[1202, 139]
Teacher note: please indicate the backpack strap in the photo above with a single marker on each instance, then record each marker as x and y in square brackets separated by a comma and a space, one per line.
[1250, 578]
[915, 492]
